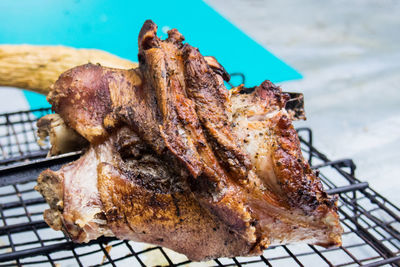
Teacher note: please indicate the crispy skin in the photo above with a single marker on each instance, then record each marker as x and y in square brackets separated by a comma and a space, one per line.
[173, 155]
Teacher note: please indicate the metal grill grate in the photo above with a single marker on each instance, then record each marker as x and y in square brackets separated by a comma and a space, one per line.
[371, 222]
[18, 141]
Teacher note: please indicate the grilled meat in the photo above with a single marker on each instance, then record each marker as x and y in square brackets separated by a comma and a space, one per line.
[177, 160]
[112, 192]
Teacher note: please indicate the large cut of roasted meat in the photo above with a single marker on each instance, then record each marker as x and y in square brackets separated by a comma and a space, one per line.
[173, 158]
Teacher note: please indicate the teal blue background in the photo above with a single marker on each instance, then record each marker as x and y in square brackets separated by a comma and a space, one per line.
[114, 26]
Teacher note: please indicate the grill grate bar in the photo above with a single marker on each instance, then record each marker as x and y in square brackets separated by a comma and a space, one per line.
[134, 253]
[395, 260]
[15, 135]
[22, 227]
[368, 238]
[8, 236]
[29, 171]
[218, 262]
[380, 205]
[20, 215]
[265, 261]
[27, 202]
[320, 254]
[351, 255]
[292, 255]
[383, 237]
[34, 242]
[236, 262]
[76, 257]
[45, 250]
[107, 255]
[347, 188]
[30, 220]
[28, 156]
[392, 231]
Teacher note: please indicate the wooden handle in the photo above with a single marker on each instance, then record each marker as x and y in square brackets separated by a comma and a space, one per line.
[36, 68]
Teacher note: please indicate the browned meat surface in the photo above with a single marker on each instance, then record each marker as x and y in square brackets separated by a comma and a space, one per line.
[137, 197]
[208, 92]
[177, 160]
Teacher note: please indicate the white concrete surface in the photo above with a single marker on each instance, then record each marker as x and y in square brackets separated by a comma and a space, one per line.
[12, 99]
[349, 54]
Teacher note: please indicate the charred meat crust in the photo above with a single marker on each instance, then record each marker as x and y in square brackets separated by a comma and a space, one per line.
[180, 123]
[211, 103]
[300, 184]
[165, 219]
[176, 160]
[159, 70]
[148, 36]
[217, 68]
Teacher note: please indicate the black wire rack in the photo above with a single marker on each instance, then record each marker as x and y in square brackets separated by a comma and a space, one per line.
[371, 223]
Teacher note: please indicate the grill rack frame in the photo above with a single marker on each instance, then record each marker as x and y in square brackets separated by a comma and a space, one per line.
[358, 206]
